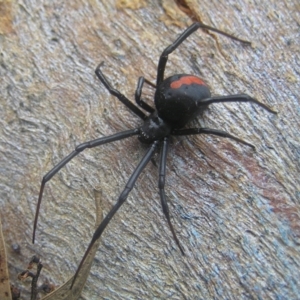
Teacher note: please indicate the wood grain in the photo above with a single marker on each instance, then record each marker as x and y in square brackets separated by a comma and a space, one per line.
[235, 211]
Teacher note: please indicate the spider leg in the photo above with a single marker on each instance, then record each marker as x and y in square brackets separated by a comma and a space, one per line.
[138, 93]
[235, 98]
[161, 185]
[121, 200]
[190, 131]
[63, 162]
[118, 94]
[164, 56]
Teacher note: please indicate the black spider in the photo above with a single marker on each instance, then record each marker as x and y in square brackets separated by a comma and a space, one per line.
[178, 100]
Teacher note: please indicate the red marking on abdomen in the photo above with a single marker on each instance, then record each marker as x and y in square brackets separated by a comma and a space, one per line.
[187, 80]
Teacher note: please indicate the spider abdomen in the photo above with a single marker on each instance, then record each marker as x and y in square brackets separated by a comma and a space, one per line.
[177, 98]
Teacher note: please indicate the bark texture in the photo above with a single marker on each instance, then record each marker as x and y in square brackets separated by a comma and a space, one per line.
[235, 211]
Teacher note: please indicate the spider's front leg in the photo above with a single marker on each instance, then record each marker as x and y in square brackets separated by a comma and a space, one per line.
[130, 184]
[63, 162]
[161, 186]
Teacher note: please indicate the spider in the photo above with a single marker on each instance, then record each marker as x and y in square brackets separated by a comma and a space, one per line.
[178, 100]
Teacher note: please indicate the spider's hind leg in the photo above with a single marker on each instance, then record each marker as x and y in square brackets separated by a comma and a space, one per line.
[161, 185]
[183, 36]
[235, 98]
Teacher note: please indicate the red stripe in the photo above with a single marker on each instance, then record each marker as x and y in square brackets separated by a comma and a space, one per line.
[187, 80]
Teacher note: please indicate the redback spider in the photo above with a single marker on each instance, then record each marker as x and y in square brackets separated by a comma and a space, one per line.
[178, 100]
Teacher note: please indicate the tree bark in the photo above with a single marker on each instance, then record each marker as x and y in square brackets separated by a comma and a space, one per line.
[235, 210]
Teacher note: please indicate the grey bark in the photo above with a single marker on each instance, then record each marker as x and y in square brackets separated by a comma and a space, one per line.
[235, 211]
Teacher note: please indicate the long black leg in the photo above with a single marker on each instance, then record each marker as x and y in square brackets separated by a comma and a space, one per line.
[119, 95]
[161, 186]
[78, 149]
[164, 56]
[190, 131]
[150, 83]
[120, 201]
[138, 93]
[235, 98]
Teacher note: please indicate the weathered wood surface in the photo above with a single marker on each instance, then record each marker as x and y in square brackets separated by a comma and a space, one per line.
[235, 211]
